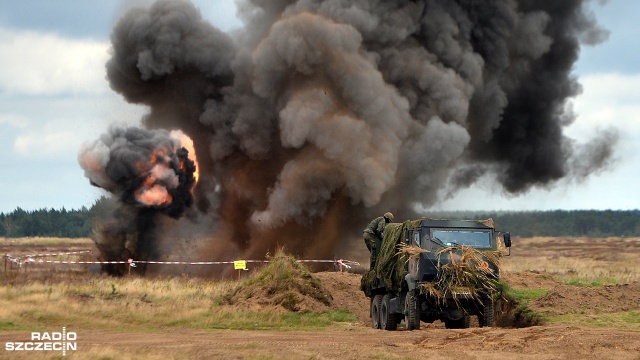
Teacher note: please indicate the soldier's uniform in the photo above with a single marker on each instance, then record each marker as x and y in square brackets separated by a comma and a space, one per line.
[373, 234]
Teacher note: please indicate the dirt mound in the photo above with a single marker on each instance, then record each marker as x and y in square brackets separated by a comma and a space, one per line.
[529, 280]
[344, 287]
[565, 299]
[284, 283]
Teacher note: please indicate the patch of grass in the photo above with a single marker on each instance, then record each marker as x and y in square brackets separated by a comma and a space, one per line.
[125, 304]
[237, 319]
[519, 295]
[526, 295]
[135, 304]
[629, 320]
[318, 320]
[50, 241]
[583, 282]
[525, 315]
[519, 298]
[6, 325]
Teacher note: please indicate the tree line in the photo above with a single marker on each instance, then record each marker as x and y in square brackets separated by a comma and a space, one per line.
[46, 223]
[590, 223]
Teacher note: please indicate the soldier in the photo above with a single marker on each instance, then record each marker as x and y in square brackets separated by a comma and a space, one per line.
[373, 235]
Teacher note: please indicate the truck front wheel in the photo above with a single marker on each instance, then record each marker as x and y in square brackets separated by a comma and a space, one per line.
[376, 303]
[412, 311]
[486, 316]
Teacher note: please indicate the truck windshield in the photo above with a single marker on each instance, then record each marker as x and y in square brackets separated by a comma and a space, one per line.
[468, 237]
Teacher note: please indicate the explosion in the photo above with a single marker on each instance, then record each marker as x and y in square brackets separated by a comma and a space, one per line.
[318, 115]
[146, 168]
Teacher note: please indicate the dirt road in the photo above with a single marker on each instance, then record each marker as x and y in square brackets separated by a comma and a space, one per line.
[359, 342]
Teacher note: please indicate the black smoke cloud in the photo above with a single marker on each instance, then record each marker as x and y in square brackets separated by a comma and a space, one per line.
[144, 168]
[320, 114]
[150, 173]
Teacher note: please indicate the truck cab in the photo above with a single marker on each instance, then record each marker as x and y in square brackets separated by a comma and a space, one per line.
[436, 235]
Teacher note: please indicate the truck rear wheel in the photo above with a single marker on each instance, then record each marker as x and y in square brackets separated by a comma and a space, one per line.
[412, 311]
[485, 318]
[376, 303]
[388, 321]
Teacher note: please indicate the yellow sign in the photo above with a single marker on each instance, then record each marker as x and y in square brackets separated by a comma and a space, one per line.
[240, 264]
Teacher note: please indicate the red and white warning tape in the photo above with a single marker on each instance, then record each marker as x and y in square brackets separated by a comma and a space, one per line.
[346, 263]
[181, 262]
[13, 259]
[30, 259]
[40, 261]
[59, 254]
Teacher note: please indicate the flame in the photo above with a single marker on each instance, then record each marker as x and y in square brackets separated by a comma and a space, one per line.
[159, 177]
[153, 192]
[187, 143]
[140, 166]
[155, 195]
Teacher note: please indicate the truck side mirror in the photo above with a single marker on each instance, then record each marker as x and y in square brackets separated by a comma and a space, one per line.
[507, 239]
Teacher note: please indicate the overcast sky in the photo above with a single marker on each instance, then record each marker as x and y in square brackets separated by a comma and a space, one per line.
[54, 97]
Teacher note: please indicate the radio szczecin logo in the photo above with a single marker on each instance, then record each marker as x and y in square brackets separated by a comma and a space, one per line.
[46, 341]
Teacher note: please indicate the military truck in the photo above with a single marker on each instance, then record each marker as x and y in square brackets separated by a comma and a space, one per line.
[431, 270]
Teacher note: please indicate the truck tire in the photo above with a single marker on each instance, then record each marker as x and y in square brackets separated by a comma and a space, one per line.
[388, 320]
[462, 323]
[412, 311]
[485, 318]
[376, 303]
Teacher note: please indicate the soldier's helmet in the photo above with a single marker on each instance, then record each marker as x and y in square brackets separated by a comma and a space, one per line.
[388, 215]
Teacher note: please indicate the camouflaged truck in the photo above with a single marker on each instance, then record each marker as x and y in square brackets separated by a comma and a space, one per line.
[415, 275]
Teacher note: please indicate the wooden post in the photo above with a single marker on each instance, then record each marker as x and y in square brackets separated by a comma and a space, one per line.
[130, 263]
[240, 265]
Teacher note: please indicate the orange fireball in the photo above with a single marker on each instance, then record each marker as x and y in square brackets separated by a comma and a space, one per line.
[187, 143]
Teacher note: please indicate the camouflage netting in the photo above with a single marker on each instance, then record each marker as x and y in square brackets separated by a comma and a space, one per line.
[390, 262]
[488, 222]
[469, 273]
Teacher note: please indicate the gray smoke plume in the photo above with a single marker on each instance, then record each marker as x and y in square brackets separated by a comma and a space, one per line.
[318, 115]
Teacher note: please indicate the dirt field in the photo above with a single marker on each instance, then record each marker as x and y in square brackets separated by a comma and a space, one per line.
[595, 322]
[359, 342]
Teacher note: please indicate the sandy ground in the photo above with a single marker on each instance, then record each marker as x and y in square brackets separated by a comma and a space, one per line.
[358, 342]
